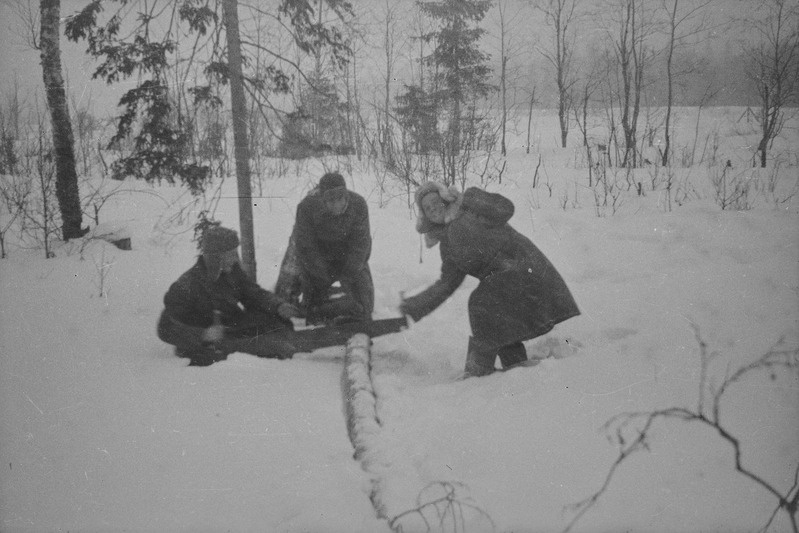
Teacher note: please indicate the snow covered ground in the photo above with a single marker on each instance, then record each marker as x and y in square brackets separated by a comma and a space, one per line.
[102, 429]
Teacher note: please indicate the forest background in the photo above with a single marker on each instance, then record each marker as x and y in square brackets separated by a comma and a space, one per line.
[661, 222]
[426, 90]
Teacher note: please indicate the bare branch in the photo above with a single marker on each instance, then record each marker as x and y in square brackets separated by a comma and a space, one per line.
[779, 356]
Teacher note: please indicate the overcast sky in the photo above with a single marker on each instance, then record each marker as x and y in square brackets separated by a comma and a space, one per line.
[19, 62]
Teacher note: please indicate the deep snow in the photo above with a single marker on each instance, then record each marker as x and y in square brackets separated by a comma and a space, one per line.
[103, 429]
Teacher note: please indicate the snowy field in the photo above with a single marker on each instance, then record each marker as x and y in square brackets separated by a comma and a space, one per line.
[103, 429]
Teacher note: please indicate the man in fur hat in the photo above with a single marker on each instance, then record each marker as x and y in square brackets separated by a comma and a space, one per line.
[331, 242]
[214, 309]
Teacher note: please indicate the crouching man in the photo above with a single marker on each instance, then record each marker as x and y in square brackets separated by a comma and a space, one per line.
[214, 309]
[331, 242]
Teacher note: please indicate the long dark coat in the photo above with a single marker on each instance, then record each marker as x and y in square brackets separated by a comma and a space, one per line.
[330, 248]
[332, 245]
[520, 296]
[190, 302]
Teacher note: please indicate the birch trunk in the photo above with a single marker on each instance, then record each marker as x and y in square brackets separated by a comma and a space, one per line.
[67, 191]
[242, 145]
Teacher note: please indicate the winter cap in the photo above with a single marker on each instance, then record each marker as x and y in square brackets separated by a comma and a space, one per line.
[331, 180]
[448, 194]
[452, 199]
[218, 240]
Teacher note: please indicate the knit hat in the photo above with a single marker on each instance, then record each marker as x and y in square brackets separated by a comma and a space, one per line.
[218, 240]
[452, 199]
[331, 180]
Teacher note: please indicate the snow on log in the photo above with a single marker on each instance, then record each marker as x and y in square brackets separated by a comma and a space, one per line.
[363, 425]
[395, 482]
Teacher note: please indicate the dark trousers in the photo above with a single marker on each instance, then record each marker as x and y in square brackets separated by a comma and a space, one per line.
[356, 299]
[481, 356]
[292, 282]
[259, 334]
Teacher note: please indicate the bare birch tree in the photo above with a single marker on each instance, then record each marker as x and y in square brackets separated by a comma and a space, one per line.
[774, 60]
[240, 139]
[683, 24]
[510, 14]
[390, 43]
[631, 57]
[63, 139]
[560, 15]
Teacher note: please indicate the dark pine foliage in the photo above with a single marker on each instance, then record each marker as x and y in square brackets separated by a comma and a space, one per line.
[161, 132]
[416, 113]
[462, 69]
[161, 138]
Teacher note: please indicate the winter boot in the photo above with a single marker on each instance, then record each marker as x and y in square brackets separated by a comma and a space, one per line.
[479, 359]
[202, 356]
[512, 355]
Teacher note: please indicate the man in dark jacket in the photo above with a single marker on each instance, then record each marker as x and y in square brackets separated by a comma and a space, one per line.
[214, 309]
[520, 296]
[331, 242]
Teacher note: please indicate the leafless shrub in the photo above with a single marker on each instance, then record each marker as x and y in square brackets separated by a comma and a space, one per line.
[15, 193]
[534, 202]
[491, 170]
[475, 156]
[732, 190]
[407, 167]
[99, 191]
[689, 157]
[607, 191]
[685, 190]
[711, 158]
[180, 216]
[535, 175]
[548, 183]
[632, 432]
[443, 506]
[11, 110]
[564, 200]
[38, 218]
[87, 129]
[102, 267]
[771, 185]
[655, 176]
[669, 181]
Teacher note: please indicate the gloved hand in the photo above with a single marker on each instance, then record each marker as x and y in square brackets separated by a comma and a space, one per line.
[404, 308]
[347, 286]
[287, 310]
[408, 310]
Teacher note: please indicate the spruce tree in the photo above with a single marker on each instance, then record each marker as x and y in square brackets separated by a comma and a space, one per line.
[461, 72]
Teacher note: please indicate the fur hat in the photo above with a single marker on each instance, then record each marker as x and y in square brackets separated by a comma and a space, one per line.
[452, 200]
[331, 180]
[218, 240]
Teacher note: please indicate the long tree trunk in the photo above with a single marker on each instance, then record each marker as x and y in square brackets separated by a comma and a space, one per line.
[563, 117]
[560, 61]
[242, 146]
[669, 80]
[625, 52]
[503, 79]
[766, 126]
[388, 43]
[530, 118]
[639, 62]
[63, 140]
